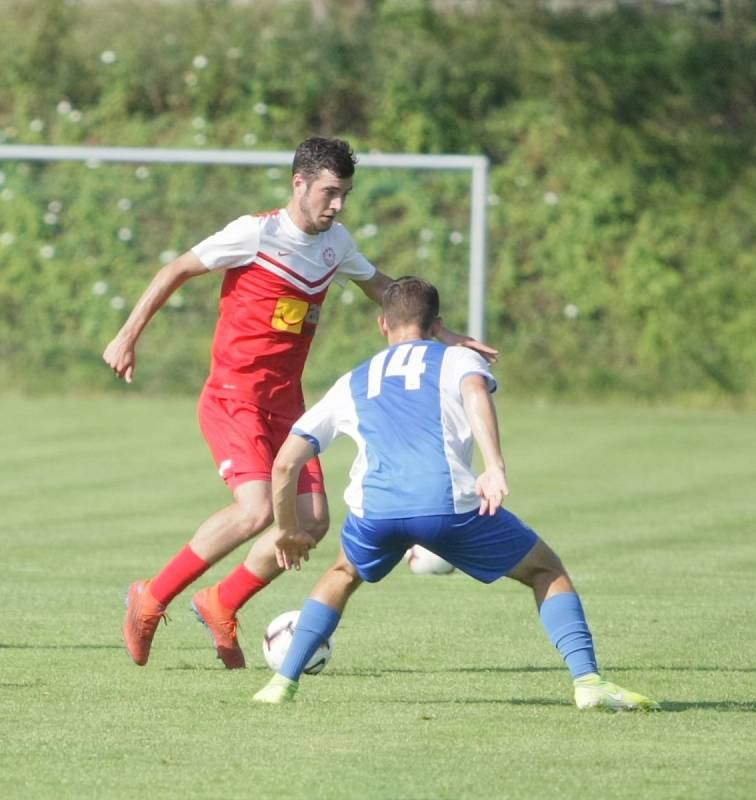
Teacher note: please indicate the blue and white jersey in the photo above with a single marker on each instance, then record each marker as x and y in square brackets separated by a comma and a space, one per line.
[403, 408]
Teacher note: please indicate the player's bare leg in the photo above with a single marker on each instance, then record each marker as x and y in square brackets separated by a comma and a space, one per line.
[146, 600]
[564, 620]
[338, 584]
[543, 572]
[217, 606]
[250, 513]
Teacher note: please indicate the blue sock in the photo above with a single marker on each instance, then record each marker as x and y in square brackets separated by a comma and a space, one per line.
[564, 620]
[316, 623]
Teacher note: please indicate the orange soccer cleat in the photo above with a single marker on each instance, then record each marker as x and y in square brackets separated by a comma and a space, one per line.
[143, 615]
[222, 624]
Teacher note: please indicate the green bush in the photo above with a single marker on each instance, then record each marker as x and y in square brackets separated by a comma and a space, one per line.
[621, 226]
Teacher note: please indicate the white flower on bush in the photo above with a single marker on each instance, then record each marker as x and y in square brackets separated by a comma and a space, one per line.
[198, 123]
[108, 57]
[124, 204]
[7, 194]
[99, 288]
[261, 109]
[125, 234]
[426, 235]
[50, 218]
[7, 238]
[200, 62]
[142, 173]
[422, 253]
[367, 231]
[47, 251]
[64, 107]
[36, 125]
[551, 198]
[117, 302]
[75, 116]
[347, 297]
[494, 199]
[200, 138]
[571, 311]
[55, 206]
[233, 52]
[176, 300]
[455, 237]
[168, 255]
[250, 139]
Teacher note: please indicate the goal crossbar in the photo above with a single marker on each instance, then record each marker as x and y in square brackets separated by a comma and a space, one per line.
[476, 165]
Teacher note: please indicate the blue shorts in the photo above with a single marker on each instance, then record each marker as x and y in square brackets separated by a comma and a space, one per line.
[485, 547]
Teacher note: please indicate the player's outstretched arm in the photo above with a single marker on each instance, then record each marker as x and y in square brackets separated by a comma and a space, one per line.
[491, 484]
[377, 285]
[451, 338]
[120, 354]
[291, 542]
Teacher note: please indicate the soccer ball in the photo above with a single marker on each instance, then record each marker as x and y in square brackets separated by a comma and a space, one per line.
[276, 641]
[423, 562]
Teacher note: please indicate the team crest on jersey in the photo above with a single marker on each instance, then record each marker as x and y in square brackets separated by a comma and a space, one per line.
[329, 256]
[289, 314]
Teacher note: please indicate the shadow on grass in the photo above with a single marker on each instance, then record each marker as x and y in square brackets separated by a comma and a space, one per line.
[745, 707]
[376, 673]
[61, 646]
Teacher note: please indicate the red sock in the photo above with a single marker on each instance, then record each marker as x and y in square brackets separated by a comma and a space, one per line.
[177, 574]
[235, 589]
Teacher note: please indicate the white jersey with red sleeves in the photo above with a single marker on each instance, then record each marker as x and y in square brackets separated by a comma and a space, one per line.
[276, 281]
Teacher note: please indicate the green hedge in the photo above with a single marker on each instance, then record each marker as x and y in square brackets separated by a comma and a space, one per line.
[621, 224]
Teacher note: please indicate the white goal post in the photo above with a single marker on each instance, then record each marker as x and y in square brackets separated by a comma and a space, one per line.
[477, 165]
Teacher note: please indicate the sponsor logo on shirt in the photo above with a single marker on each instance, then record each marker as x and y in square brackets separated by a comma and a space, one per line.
[289, 314]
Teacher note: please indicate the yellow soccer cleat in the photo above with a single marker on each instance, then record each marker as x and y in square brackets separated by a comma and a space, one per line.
[278, 690]
[592, 691]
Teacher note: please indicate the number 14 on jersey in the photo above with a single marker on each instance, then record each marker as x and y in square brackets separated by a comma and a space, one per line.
[407, 361]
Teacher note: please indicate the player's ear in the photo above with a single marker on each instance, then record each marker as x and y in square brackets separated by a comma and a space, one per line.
[298, 182]
[382, 325]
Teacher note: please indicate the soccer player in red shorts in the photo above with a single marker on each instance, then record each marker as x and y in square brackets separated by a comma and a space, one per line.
[278, 267]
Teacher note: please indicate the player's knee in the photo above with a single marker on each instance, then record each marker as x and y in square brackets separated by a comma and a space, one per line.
[317, 528]
[346, 575]
[251, 521]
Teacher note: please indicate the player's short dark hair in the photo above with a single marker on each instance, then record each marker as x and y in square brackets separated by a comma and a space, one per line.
[411, 300]
[317, 153]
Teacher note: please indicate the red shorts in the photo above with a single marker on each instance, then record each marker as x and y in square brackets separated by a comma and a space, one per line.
[244, 440]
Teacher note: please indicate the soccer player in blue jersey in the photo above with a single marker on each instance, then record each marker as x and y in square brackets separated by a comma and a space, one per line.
[414, 410]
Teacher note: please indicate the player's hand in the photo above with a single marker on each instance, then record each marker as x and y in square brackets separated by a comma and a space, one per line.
[491, 486]
[120, 356]
[485, 350]
[292, 548]
[451, 338]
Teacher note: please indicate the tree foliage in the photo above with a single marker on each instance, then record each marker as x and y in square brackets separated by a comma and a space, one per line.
[621, 225]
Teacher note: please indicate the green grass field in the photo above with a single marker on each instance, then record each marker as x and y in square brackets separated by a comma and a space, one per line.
[439, 687]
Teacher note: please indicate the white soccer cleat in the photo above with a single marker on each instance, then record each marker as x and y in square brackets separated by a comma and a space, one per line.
[592, 691]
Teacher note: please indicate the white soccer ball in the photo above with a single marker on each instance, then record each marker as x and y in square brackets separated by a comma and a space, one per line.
[423, 562]
[276, 641]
